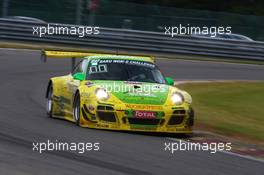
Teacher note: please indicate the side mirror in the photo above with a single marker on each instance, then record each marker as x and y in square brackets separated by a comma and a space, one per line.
[79, 76]
[169, 81]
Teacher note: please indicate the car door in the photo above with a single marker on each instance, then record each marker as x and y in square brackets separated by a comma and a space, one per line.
[72, 84]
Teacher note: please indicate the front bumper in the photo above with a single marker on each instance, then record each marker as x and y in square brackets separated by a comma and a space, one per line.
[169, 119]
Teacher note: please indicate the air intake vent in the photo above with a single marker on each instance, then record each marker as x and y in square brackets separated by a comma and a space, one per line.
[106, 116]
[143, 121]
[105, 108]
[175, 120]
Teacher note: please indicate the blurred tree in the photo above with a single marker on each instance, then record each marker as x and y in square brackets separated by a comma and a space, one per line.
[248, 7]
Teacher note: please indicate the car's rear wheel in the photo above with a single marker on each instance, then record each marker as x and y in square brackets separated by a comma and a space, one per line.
[49, 103]
[76, 109]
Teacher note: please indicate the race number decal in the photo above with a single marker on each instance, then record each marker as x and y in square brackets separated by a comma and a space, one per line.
[98, 69]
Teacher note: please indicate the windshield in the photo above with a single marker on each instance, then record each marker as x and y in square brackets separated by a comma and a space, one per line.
[124, 70]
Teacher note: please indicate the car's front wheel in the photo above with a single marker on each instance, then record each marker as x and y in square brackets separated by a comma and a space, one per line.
[76, 109]
[49, 103]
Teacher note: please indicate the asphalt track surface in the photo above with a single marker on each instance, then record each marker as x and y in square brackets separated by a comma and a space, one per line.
[23, 121]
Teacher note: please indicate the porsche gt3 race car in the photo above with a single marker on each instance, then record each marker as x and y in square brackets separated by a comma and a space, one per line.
[119, 92]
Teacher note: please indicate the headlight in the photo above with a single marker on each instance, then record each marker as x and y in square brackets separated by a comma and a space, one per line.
[177, 98]
[101, 94]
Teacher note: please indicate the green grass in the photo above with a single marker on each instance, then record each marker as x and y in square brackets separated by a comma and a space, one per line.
[234, 108]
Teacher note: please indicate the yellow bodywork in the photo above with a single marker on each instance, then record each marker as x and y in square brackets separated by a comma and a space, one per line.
[113, 113]
[89, 104]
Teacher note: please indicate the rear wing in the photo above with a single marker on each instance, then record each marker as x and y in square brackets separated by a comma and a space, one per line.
[73, 55]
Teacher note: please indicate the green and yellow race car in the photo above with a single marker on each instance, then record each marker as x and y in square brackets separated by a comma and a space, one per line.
[119, 92]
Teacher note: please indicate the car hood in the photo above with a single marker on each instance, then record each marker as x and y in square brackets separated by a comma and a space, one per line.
[136, 92]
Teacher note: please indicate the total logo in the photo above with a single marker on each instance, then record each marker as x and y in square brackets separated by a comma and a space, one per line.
[145, 114]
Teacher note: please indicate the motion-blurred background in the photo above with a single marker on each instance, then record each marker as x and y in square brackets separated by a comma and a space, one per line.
[245, 16]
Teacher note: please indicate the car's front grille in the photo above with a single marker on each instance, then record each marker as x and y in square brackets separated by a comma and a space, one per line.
[179, 112]
[139, 121]
[106, 116]
[107, 108]
[175, 120]
[177, 117]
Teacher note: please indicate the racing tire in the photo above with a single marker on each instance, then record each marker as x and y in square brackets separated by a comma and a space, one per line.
[49, 103]
[76, 109]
